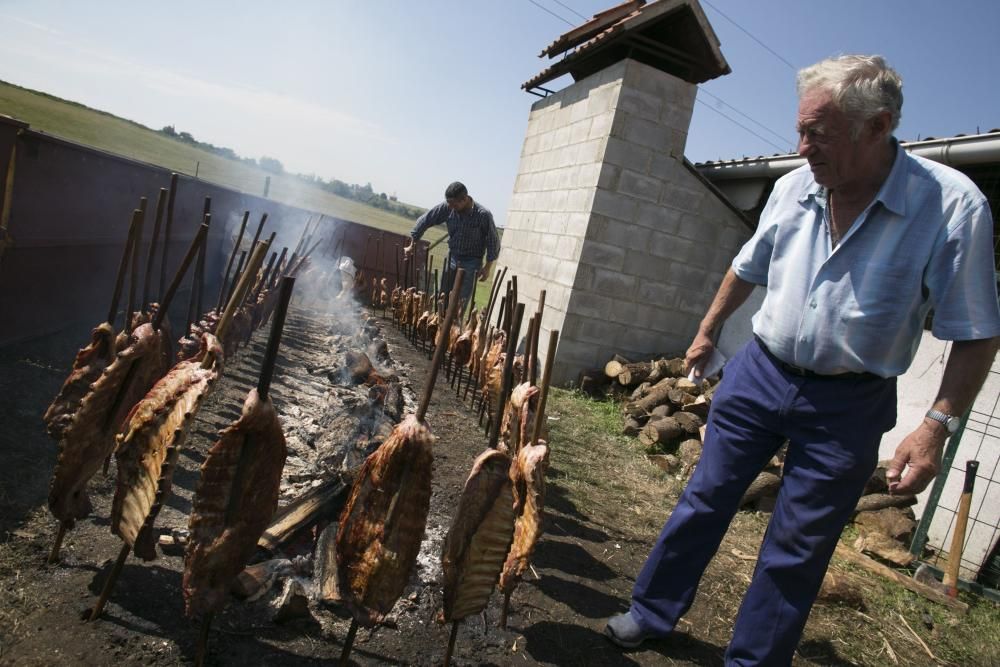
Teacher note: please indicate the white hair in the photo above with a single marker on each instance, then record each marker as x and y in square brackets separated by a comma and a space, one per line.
[862, 87]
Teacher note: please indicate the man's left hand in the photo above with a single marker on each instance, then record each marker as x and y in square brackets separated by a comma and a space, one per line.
[920, 454]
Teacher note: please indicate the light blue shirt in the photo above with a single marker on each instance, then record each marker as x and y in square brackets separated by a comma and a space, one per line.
[925, 241]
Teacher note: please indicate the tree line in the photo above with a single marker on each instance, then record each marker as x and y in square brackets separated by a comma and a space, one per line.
[363, 193]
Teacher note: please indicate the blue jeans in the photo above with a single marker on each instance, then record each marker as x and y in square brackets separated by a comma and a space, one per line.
[471, 266]
[834, 426]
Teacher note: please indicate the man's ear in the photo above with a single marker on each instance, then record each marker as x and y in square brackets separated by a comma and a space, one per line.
[880, 125]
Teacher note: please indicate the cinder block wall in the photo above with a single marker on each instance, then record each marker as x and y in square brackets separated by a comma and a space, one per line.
[629, 245]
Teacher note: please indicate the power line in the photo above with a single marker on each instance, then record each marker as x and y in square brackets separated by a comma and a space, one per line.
[770, 50]
[585, 18]
[755, 122]
[736, 122]
[549, 11]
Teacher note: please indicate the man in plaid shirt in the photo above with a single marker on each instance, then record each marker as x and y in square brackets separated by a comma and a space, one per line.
[471, 233]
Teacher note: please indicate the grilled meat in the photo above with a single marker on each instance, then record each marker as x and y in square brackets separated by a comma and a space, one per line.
[528, 476]
[89, 437]
[90, 362]
[383, 523]
[480, 535]
[235, 499]
[150, 443]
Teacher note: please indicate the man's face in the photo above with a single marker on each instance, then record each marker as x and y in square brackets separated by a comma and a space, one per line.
[458, 204]
[825, 141]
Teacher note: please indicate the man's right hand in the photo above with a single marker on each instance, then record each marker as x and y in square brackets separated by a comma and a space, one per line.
[698, 354]
[408, 250]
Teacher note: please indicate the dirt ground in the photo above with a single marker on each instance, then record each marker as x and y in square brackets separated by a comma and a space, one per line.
[582, 571]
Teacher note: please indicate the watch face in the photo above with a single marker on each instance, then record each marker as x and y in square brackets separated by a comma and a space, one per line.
[952, 424]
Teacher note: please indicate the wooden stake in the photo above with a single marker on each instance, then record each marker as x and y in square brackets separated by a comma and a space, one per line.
[236, 277]
[109, 583]
[508, 375]
[274, 338]
[137, 215]
[201, 650]
[196, 243]
[116, 295]
[171, 197]
[200, 271]
[451, 643]
[232, 257]
[246, 281]
[441, 346]
[504, 610]
[57, 545]
[345, 654]
[260, 228]
[550, 357]
[161, 202]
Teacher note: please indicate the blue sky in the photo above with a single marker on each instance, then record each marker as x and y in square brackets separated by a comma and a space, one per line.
[410, 95]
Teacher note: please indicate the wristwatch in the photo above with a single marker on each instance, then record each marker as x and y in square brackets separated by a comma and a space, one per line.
[950, 422]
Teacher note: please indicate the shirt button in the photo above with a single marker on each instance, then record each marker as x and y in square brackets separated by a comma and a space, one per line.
[812, 304]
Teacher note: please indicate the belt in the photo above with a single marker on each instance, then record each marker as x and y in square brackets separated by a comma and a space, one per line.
[792, 369]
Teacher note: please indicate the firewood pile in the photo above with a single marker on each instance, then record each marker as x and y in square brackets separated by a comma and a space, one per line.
[661, 407]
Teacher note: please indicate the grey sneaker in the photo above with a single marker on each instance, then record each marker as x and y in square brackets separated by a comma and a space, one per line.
[624, 631]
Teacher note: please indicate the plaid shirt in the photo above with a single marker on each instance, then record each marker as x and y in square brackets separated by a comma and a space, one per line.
[469, 234]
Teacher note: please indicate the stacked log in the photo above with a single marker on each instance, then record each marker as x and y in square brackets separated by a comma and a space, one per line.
[662, 408]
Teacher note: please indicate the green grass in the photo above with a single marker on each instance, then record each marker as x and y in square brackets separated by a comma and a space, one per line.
[110, 133]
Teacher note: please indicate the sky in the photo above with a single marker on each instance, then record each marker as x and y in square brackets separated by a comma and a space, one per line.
[411, 95]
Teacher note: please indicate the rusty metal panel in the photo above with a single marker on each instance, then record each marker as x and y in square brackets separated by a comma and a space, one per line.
[69, 219]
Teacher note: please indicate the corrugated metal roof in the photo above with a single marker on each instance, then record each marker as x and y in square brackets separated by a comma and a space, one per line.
[959, 149]
[671, 35]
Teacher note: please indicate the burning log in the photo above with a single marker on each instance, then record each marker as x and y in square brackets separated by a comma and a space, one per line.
[357, 366]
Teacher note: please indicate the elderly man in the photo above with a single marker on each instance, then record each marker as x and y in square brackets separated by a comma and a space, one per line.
[471, 233]
[854, 249]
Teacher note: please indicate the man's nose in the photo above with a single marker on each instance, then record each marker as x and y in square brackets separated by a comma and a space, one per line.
[805, 146]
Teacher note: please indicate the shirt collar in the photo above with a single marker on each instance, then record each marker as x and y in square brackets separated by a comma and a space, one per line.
[892, 194]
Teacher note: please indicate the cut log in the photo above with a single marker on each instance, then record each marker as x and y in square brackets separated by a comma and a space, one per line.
[767, 483]
[863, 561]
[357, 366]
[877, 483]
[641, 391]
[662, 431]
[632, 426]
[593, 381]
[613, 368]
[885, 548]
[659, 411]
[668, 463]
[632, 374]
[699, 407]
[894, 522]
[843, 588]
[878, 501]
[325, 501]
[688, 421]
[658, 395]
[679, 397]
[688, 386]
[689, 452]
[677, 367]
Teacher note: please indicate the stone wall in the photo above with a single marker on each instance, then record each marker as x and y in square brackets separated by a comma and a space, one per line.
[627, 241]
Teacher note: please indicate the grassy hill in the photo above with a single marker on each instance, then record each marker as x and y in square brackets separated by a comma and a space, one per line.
[107, 132]
[110, 133]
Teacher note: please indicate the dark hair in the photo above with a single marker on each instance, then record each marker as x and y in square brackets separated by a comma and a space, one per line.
[455, 191]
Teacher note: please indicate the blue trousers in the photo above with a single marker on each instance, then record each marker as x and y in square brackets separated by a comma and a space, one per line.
[471, 266]
[834, 426]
